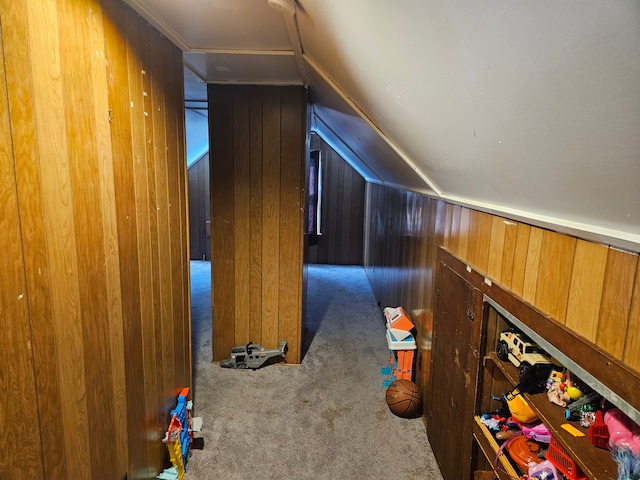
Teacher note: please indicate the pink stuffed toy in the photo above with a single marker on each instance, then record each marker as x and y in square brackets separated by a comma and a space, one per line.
[623, 432]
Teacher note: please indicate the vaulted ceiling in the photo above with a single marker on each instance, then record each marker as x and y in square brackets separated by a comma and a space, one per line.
[528, 109]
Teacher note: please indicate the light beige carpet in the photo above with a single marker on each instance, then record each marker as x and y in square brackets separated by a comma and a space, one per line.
[324, 419]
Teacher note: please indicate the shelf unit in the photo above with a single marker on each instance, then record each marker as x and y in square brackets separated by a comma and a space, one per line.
[595, 463]
[470, 312]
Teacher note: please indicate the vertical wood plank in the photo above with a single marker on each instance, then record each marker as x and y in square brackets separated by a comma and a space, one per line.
[631, 354]
[110, 238]
[157, 114]
[271, 215]
[89, 236]
[20, 445]
[472, 242]
[523, 233]
[615, 306]
[255, 206]
[137, 63]
[532, 266]
[483, 241]
[23, 130]
[124, 189]
[56, 188]
[222, 216]
[454, 241]
[463, 241]
[554, 274]
[291, 182]
[242, 201]
[585, 291]
[496, 248]
[508, 253]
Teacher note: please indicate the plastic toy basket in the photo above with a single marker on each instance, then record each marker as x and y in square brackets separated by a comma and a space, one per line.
[563, 462]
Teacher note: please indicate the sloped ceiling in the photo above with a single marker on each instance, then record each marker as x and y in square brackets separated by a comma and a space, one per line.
[526, 109]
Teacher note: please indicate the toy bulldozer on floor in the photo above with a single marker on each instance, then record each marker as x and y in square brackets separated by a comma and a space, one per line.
[254, 356]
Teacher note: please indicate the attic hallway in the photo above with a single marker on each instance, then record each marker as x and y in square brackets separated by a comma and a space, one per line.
[324, 419]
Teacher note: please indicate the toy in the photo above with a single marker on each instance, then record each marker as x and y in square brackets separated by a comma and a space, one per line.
[623, 432]
[404, 398]
[519, 407]
[253, 356]
[178, 436]
[537, 431]
[519, 350]
[543, 471]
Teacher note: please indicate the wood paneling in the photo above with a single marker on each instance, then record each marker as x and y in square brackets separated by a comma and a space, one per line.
[17, 382]
[95, 208]
[257, 180]
[341, 242]
[591, 288]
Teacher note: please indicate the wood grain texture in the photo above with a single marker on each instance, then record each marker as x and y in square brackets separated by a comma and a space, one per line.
[520, 258]
[110, 240]
[89, 235]
[17, 380]
[290, 218]
[496, 248]
[342, 211]
[255, 207]
[615, 307]
[508, 252]
[126, 214]
[23, 129]
[222, 225]
[257, 181]
[83, 153]
[53, 140]
[585, 291]
[271, 215]
[554, 274]
[631, 354]
[242, 216]
[532, 266]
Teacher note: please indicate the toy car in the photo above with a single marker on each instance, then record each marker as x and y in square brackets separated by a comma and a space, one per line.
[522, 352]
[254, 356]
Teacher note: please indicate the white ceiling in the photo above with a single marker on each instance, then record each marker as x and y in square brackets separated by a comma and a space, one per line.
[529, 109]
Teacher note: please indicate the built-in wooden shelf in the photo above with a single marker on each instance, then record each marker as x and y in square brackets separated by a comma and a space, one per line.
[596, 463]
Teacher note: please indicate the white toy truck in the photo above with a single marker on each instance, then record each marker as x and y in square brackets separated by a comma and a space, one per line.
[519, 350]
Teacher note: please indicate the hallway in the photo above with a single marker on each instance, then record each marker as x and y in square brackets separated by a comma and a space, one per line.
[323, 419]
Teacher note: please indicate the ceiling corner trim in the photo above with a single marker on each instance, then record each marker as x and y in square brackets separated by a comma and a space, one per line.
[382, 135]
[159, 24]
[606, 236]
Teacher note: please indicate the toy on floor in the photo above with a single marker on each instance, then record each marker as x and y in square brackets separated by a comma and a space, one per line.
[254, 356]
[404, 398]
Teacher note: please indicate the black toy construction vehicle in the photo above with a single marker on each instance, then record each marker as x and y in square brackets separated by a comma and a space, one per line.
[254, 356]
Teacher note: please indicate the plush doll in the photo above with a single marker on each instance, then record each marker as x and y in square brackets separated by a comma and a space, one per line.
[628, 463]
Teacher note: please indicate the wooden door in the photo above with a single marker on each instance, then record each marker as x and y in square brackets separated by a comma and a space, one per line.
[454, 373]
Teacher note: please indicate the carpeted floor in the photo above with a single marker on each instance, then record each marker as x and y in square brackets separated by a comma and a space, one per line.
[324, 419]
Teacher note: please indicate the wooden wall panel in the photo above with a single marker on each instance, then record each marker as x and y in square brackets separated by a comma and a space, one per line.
[631, 355]
[18, 395]
[23, 129]
[199, 209]
[96, 162]
[585, 291]
[343, 191]
[594, 290]
[257, 180]
[615, 307]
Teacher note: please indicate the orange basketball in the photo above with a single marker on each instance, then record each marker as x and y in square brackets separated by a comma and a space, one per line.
[404, 398]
